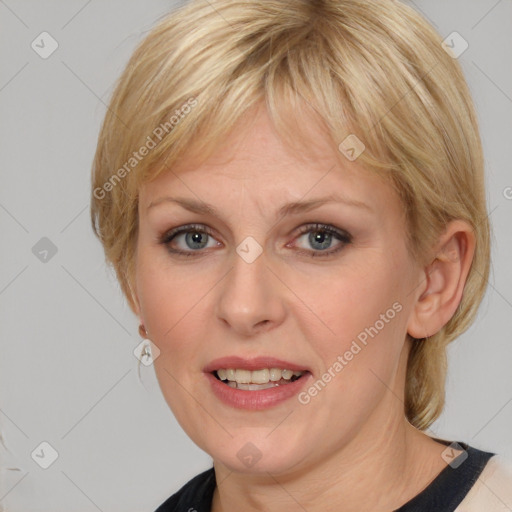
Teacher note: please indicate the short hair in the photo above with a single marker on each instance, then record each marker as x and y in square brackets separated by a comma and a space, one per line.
[375, 69]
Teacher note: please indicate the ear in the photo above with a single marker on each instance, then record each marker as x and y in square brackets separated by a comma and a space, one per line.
[133, 302]
[444, 280]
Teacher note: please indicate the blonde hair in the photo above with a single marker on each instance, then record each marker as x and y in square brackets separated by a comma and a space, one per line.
[371, 68]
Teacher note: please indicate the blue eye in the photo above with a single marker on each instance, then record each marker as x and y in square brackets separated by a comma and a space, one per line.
[320, 238]
[196, 237]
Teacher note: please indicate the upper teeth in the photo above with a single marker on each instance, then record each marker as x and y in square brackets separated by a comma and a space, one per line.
[256, 376]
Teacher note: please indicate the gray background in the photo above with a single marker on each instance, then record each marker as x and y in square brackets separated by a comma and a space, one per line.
[68, 375]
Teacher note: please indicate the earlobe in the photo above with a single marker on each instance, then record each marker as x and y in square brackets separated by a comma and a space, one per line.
[445, 278]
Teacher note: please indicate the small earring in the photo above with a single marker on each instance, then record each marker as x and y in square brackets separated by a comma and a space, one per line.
[146, 355]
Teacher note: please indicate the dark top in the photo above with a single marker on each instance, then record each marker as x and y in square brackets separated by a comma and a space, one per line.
[443, 494]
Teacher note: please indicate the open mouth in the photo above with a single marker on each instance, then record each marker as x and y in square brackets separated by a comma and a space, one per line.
[256, 380]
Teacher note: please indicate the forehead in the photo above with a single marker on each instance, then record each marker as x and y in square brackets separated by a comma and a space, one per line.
[255, 162]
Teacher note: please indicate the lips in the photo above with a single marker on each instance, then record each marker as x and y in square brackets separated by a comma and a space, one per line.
[255, 396]
[257, 363]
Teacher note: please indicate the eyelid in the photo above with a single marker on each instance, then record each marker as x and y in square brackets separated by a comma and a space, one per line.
[320, 226]
[344, 238]
[169, 235]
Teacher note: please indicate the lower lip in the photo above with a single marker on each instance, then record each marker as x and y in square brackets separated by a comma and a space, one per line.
[255, 400]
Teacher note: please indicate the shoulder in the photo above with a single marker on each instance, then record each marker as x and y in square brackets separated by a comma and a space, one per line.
[492, 490]
[196, 495]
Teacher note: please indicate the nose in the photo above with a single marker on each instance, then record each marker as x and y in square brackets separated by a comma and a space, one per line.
[249, 300]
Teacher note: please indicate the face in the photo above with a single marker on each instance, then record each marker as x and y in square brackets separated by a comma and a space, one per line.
[252, 283]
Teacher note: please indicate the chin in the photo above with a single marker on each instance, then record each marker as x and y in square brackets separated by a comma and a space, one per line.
[249, 456]
[273, 466]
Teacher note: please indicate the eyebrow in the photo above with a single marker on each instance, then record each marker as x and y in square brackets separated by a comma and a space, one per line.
[295, 207]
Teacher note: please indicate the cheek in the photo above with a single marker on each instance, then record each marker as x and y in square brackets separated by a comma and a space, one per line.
[353, 296]
[359, 315]
[172, 304]
[169, 299]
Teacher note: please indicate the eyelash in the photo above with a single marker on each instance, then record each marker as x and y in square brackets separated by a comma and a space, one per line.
[344, 237]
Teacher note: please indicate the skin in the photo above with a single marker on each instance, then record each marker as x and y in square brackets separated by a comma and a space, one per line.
[351, 447]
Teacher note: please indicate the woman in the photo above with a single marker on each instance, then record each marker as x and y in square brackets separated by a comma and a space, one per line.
[292, 196]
